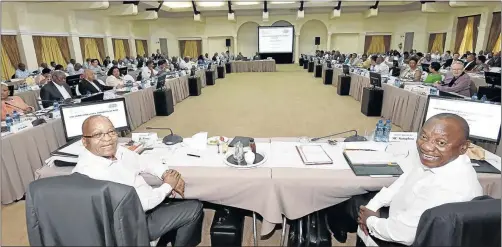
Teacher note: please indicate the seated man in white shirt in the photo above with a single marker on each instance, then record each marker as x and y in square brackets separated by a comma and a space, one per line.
[381, 67]
[104, 159]
[185, 63]
[442, 174]
[148, 71]
[21, 72]
[70, 69]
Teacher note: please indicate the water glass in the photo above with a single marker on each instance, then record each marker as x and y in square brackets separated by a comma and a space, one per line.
[239, 153]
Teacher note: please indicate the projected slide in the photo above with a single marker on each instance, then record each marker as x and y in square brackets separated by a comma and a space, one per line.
[483, 119]
[275, 39]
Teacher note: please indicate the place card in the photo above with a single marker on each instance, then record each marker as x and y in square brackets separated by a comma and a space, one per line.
[20, 126]
[402, 136]
[148, 139]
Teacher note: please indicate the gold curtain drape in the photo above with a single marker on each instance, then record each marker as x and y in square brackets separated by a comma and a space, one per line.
[438, 43]
[467, 40]
[140, 49]
[191, 49]
[145, 45]
[47, 49]
[119, 49]
[497, 47]
[92, 48]
[8, 68]
[377, 45]
[10, 56]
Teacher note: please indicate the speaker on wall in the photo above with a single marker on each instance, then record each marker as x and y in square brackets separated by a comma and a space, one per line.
[227, 42]
[317, 40]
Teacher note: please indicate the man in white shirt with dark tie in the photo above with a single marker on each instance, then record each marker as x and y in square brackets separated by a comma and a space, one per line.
[104, 159]
[442, 174]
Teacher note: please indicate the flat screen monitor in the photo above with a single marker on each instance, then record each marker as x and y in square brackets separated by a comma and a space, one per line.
[74, 115]
[375, 79]
[483, 118]
[275, 39]
[161, 81]
[73, 80]
[492, 78]
[123, 71]
[346, 69]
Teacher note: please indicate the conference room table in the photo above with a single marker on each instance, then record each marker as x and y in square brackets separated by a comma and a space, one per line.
[25, 152]
[253, 66]
[179, 86]
[283, 185]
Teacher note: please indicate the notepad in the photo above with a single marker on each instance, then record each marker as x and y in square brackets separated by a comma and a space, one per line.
[370, 157]
[313, 155]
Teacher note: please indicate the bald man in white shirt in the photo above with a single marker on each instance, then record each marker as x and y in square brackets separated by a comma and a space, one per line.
[444, 174]
[104, 159]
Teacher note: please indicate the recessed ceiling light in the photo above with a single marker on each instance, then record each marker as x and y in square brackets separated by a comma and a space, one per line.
[281, 2]
[177, 5]
[245, 3]
[210, 4]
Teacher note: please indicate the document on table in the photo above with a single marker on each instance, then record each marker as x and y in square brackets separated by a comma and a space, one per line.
[358, 157]
[313, 155]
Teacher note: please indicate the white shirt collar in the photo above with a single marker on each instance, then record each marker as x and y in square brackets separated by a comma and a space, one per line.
[452, 165]
[62, 90]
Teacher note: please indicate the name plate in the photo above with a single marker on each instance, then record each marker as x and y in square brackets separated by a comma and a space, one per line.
[402, 136]
[20, 126]
[134, 89]
[35, 87]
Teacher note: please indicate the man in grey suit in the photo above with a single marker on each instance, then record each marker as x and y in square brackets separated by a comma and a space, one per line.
[458, 82]
[104, 159]
[55, 90]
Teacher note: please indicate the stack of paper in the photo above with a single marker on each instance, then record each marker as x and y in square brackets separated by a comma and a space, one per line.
[313, 155]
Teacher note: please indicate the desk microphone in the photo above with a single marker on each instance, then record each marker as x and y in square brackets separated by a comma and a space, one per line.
[36, 122]
[353, 138]
[170, 139]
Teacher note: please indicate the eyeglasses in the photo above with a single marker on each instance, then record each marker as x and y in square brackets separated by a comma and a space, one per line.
[111, 133]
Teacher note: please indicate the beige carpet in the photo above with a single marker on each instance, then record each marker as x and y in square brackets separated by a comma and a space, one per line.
[288, 103]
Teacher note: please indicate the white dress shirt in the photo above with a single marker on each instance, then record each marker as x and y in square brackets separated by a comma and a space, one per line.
[382, 68]
[63, 91]
[126, 170]
[146, 73]
[414, 192]
[184, 65]
[113, 81]
[70, 69]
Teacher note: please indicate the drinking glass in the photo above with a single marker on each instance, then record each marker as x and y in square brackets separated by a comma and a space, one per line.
[239, 153]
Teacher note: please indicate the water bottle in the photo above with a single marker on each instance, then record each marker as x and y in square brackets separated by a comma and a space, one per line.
[8, 121]
[484, 98]
[15, 117]
[386, 130]
[379, 131]
[397, 83]
[474, 97]
[55, 112]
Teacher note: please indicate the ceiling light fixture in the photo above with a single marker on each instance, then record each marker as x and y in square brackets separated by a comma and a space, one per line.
[178, 5]
[210, 4]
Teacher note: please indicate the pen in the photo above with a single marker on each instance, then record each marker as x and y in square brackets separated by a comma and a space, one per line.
[193, 155]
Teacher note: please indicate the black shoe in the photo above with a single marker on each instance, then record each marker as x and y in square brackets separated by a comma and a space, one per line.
[340, 236]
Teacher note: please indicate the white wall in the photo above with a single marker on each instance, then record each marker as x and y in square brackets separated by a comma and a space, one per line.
[347, 42]
[217, 44]
[247, 39]
[308, 32]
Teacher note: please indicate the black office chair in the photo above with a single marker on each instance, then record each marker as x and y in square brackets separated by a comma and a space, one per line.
[76, 210]
[13, 76]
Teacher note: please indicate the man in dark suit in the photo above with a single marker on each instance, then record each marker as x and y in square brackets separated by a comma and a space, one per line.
[55, 90]
[470, 63]
[90, 84]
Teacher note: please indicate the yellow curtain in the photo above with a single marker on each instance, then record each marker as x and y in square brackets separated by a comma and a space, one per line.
[496, 48]
[467, 40]
[377, 45]
[48, 50]
[140, 49]
[190, 49]
[89, 48]
[437, 44]
[119, 49]
[7, 68]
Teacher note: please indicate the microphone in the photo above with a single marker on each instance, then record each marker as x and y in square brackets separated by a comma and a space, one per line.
[353, 138]
[170, 139]
[36, 122]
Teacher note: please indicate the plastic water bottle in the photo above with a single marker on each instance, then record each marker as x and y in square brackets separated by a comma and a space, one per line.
[474, 97]
[379, 131]
[8, 121]
[386, 130]
[397, 83]
[484, 98]
[55, 112]
[15, 117]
